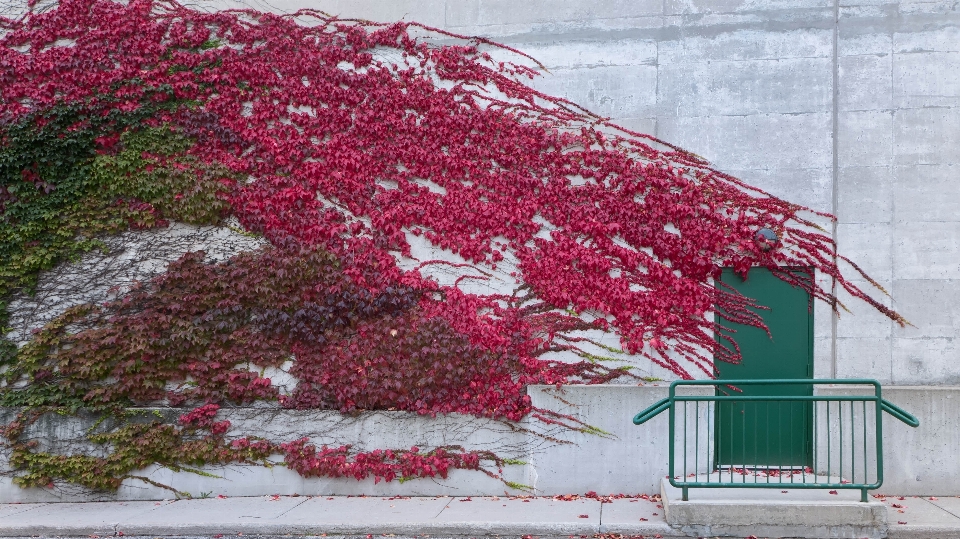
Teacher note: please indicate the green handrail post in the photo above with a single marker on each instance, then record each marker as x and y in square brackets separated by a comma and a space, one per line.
[782, 472]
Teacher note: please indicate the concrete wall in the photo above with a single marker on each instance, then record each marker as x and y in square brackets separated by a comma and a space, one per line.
[363, 432]
[922, 460]
[847, 106]
[851, 107]
[630, 459]
[916, 460]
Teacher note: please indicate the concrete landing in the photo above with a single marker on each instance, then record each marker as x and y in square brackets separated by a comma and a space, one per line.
[773, 512]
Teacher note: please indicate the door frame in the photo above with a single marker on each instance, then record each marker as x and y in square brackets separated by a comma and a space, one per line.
[807, 455]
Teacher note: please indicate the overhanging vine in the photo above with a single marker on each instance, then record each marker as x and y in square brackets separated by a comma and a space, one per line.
[341, 143]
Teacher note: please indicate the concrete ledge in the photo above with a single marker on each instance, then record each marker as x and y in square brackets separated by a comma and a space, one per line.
[631, 461]
[731, 512]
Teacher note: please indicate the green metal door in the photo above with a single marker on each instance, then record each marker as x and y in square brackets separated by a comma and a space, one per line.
[760, 434]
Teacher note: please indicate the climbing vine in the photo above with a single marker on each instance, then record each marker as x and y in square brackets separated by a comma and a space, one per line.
[64, 188]
[343, 143]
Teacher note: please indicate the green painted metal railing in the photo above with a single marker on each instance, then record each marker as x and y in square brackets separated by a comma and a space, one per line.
[741, 437]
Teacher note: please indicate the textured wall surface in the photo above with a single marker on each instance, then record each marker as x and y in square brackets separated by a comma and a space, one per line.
[847, 106]
[630, 459]
[367, 431]
[850, 107]
[917, 461]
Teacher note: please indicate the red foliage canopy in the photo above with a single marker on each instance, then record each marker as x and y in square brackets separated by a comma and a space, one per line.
[354, 136]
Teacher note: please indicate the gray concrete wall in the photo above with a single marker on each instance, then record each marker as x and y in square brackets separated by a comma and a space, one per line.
[919, 460]
[629, 459]
[847, 106]
[850, 107]
[362, 432]
[923, 460]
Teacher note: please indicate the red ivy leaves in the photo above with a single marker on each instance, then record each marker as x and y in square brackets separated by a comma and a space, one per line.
[342, 145]
[201, 332]
[350, 137]
[386, 464]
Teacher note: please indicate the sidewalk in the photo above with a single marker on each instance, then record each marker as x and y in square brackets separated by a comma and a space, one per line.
[558, 516]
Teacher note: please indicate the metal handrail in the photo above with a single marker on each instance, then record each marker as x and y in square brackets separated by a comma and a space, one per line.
[827, 445]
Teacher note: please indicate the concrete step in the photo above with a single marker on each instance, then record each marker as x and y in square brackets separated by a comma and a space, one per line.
[773, 512]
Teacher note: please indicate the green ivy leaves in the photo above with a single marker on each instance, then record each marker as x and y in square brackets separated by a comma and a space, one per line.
[152, 165]
[70, 176]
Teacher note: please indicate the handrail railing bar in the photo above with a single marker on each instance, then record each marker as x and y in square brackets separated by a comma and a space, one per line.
[722, 450]
[672, 416]
[792, 447]
[853, 448]
[779, 439]
[806, 449]
[840, 421]
[743, 440]
[893, 407]
[696, 444]
[718, 441]
[878, 418]
[863, 410]
[853, 437]
[651, 412]
[814, 442]
[768, 446]
[864, 433]
[730, 454]
[838, 486]
[803, 447]
[790, 438]
[829, 439]
[756, 452]
[899, 413]
[711, 423]
[785, 398]
[745, 452]
[779, 381]
[722, 408]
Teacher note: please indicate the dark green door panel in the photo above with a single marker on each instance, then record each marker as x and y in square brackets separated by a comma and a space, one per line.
[759, 433]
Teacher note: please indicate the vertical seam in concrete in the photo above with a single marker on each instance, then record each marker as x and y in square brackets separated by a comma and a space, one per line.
[656, 111]
[893, 213]
[835, 195]
[656, 107]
